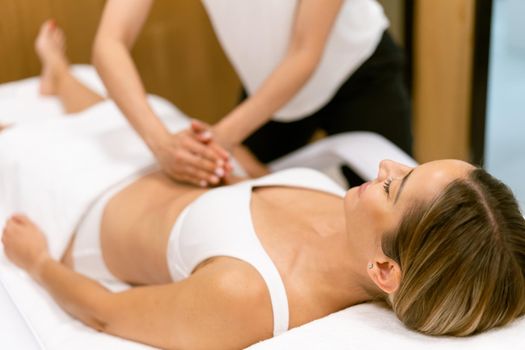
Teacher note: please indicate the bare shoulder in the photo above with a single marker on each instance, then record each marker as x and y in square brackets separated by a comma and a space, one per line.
[223, 305]
[241, 289]
[236, 303]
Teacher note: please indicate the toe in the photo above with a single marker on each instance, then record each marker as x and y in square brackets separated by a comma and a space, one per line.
[20, 218]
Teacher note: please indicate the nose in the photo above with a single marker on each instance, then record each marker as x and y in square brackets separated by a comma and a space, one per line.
[390, 168]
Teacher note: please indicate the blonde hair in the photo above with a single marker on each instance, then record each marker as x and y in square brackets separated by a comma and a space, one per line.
[462, 258]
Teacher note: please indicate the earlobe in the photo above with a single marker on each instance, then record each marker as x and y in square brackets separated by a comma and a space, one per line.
[386, 275]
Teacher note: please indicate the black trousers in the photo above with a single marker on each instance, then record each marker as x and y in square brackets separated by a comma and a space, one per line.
[374, 98]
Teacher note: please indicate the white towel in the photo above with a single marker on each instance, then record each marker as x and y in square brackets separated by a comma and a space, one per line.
[53, 170]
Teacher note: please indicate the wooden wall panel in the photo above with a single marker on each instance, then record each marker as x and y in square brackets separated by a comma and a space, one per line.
[443, 52]
[177, 53]
[21, 21]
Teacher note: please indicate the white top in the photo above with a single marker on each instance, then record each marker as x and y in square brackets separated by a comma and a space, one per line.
[255, 35]
[219, 223]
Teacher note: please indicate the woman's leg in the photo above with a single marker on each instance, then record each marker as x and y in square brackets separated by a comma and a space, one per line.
[56, 79]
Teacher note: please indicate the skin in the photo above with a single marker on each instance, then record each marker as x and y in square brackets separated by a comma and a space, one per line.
[183, 156]
[321, 250]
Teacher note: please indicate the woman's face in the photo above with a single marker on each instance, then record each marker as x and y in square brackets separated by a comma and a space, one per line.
[377, 207]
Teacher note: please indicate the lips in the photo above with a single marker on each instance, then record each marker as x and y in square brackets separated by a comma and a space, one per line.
[362, 188]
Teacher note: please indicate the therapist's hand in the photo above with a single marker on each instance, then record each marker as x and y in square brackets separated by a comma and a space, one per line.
[192, 156]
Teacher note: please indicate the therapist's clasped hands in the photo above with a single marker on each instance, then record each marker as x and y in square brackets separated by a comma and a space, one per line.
[199, 155]
[192, 156]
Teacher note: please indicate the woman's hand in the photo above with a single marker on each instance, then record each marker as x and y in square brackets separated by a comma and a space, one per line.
[192, 156]
[24, 244]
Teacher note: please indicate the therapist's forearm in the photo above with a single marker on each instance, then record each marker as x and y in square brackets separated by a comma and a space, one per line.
[313, 23]
[280, 87]
[114, 64]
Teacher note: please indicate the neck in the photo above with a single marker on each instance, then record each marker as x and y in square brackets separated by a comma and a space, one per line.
[343, 277]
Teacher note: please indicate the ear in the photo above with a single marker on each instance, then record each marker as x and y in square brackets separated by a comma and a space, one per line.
[386, 274]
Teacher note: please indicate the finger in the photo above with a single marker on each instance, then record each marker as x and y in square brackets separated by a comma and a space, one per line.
[203, 151]
[200, 141]
[205, 137]
[218, 149]
[202, 177]
[202, 131]
[179, 171]
[19, 218]
[198, 169]
[228, 167]
[194, 181]
[191, 151]
[198, 126]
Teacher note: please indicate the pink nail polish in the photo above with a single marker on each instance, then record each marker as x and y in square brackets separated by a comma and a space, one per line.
[219, 172]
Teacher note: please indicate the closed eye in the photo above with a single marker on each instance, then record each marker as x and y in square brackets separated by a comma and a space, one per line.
[386, 185]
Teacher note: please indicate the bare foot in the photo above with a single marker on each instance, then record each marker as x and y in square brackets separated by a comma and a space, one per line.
[3, 127]
[50, 48]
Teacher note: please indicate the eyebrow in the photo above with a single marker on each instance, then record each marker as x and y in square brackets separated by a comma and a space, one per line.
[402, 185]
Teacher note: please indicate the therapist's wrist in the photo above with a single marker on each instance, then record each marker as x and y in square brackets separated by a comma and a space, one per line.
[156, 139]
[226, 137]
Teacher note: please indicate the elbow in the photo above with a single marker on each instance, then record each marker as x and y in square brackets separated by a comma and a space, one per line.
[306, 59]
[103, 45]
[93, 316]
[306, 55]
[96, 324]
[99, 314]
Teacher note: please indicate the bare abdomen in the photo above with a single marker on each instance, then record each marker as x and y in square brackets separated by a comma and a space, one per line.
[136, 226]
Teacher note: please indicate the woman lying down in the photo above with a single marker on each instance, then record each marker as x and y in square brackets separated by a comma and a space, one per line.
[443, 244]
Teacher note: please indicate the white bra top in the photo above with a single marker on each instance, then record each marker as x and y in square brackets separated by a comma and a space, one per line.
[255, 35]
[219, 223]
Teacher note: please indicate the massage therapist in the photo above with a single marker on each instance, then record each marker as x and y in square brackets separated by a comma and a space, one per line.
[304, 65]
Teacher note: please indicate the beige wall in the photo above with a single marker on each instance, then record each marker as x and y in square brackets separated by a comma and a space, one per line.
[177, 52]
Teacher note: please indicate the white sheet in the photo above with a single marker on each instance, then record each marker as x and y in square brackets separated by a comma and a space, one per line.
[359, 327]
[77, 159]
[374, 328]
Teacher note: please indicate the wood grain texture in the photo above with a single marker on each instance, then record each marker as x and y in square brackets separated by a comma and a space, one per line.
[177, 53]
[442, 78]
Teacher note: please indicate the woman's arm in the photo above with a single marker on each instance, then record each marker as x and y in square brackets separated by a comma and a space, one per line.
[253, 167]
[26, 247]
[313, 23]
[223, 305]
[120, 25]
[182, 155]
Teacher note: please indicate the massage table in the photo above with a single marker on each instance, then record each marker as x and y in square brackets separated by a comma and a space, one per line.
[29, 318]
